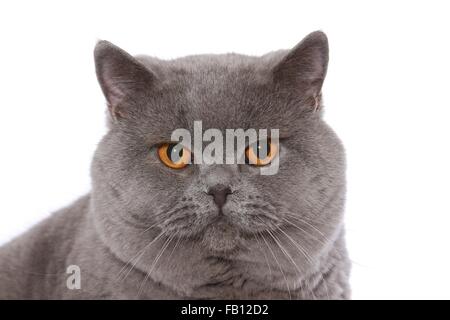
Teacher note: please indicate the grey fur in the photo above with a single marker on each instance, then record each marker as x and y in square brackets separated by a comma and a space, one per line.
[212, 253]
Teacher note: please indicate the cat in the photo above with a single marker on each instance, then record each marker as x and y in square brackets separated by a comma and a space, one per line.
[151, 231]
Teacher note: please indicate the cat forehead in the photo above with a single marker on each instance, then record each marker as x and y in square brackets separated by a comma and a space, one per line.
[223, 91]
[196, 64]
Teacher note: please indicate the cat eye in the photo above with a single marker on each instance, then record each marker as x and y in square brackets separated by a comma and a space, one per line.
[261, 153]
[174, 155]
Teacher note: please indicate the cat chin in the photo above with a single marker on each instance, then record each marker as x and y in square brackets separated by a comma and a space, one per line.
[221, 236]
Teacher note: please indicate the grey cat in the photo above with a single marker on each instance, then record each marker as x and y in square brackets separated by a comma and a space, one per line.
[148, 231]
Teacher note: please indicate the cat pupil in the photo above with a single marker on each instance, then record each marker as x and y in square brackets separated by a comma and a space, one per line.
[263, 149]
[175, 153]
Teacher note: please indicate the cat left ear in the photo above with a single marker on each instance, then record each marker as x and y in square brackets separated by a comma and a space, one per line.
[304, 67]
[121, 77]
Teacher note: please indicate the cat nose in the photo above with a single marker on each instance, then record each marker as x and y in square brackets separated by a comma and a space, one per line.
[220, 193]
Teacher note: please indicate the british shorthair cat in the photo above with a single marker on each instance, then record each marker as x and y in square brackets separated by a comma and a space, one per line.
[157, 225]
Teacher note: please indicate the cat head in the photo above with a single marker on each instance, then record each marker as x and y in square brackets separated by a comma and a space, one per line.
[220, 206]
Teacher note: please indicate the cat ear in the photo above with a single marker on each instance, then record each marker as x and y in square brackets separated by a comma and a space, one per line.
[121, 77]
[304, 67]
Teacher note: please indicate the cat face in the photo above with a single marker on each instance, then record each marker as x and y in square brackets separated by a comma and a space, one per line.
[224, 208]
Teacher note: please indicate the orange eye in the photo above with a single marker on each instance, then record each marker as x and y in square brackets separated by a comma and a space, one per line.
[261, 153]
[174, 155]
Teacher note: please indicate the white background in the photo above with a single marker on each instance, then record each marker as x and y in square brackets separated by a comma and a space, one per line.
[387, 96]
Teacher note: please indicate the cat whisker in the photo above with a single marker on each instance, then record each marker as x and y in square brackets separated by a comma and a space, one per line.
[149, 228]
[298, 246]
[324, 242]
[286, 253]
[257, 235]
[175, 246]
[310, 222]
[311, 291]
[155, 262]
[278, 263]
[304, 231]
[310, 225]
[137, 257]
[302, 250]
[265, 255]
[310, 260]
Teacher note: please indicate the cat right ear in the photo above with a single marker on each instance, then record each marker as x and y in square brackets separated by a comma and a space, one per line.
[304, 67]
[121, 77]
